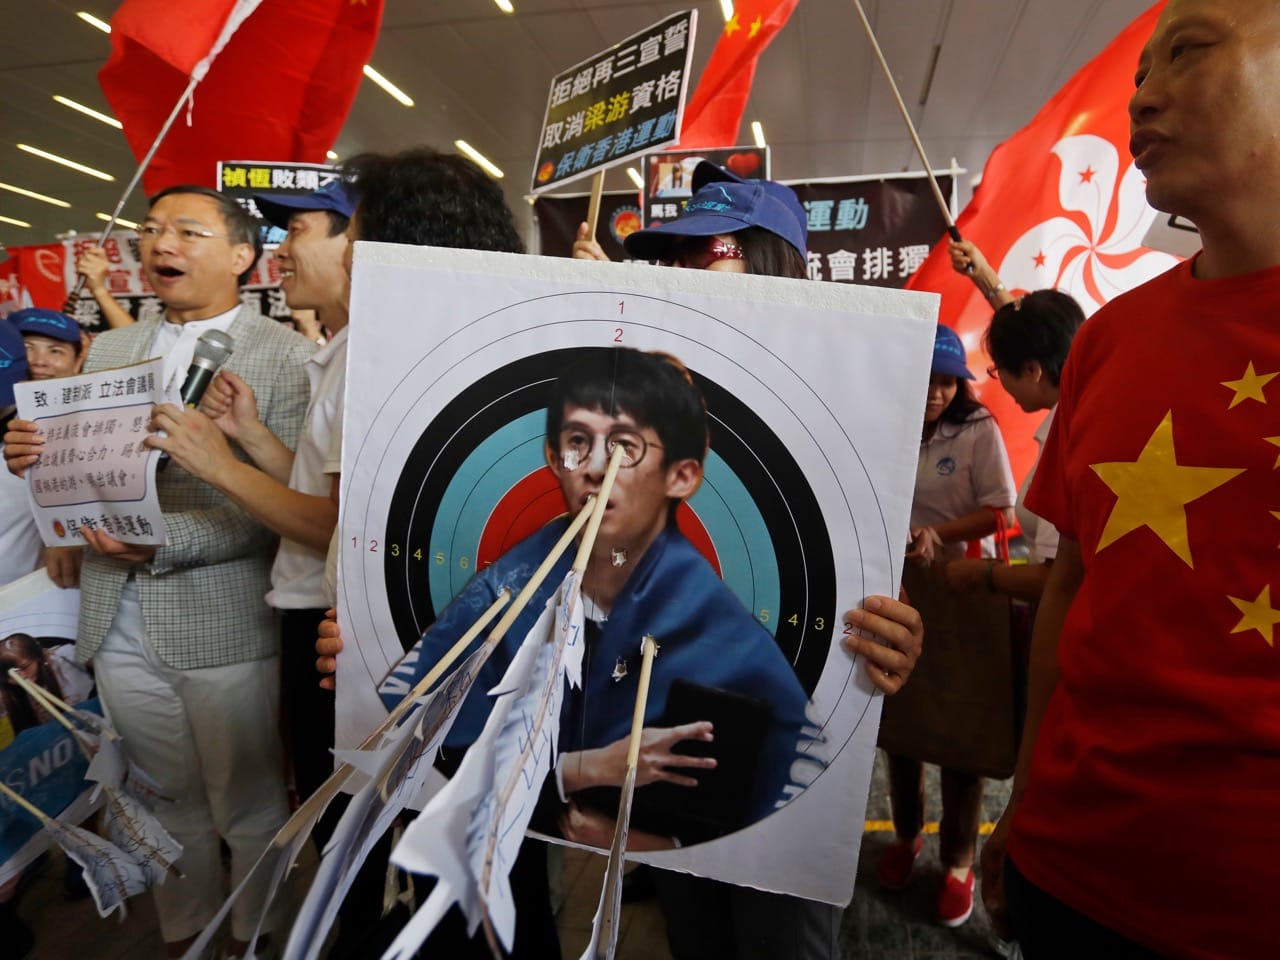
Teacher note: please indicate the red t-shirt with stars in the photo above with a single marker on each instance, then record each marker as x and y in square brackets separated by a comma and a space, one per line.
[1153, 804]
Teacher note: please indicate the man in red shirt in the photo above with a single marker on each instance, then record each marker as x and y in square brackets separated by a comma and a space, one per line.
[1143, 815]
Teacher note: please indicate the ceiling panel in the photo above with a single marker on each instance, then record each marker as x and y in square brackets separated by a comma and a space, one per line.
[480, 75]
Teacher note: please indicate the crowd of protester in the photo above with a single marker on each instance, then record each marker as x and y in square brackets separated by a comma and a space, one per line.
[213, 653]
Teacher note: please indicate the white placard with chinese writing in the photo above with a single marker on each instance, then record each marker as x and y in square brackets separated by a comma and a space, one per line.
[94, 470]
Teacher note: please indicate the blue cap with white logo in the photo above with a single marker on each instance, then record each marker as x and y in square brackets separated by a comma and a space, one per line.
[337, 195]
[724, 203]
[13, 362]
[46, 323]
[948, 354]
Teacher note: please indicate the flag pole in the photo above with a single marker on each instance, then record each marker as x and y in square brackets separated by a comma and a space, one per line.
[593, 208]
[38, 692]
[611, 895]
[911, 129]
[24, 804]
[128, 191]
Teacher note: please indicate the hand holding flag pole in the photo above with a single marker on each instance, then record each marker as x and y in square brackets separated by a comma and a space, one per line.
[604, 933]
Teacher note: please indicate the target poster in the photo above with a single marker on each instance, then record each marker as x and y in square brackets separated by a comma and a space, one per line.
[814, 395]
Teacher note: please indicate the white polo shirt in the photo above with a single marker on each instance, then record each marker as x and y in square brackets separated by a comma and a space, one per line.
[297, 577]
[1041, 535]
[962, 468]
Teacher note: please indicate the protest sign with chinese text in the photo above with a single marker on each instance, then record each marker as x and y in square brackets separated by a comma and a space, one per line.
[873, 230]
[94, 470]
[617, 105]
[43, 276]
[668, 176]
[241, 179]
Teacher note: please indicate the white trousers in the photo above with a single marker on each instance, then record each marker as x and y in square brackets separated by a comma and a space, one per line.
[210, 739]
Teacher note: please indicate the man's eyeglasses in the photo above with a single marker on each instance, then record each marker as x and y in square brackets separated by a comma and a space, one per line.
[187, 236]
[576, 445]
[698, 253]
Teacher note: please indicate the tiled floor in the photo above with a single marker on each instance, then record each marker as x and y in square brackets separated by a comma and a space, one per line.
[877, 924]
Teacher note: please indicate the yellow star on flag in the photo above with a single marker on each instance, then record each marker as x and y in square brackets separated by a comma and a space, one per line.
[1275, 441]
[756, 24]
[1154, 490]
[1249, 386]
[732, 26]
[1258, 615]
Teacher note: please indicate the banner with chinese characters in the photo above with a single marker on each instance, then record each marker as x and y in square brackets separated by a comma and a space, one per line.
[619, 104]
[128, 283]
[668, 176]
[94, 470]
[241, 179]
[874, 231]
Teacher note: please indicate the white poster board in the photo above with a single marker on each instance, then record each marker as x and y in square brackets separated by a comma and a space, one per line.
[815, 394]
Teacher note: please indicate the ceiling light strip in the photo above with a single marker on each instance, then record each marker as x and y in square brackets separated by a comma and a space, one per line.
[387, 85]
[106, 218]
[54, 158]
[480, 159]
[93, 21]
[34, 196]
[89, 112]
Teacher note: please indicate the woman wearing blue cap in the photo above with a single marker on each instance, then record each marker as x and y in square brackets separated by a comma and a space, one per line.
[729, 224]
[733, 225]
[962, 481]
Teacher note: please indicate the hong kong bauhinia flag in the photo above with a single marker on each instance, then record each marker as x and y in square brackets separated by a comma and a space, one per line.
[714, 110]
[279, 88]
[1060, 205]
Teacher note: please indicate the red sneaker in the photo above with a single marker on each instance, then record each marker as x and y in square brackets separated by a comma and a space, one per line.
[955, 899]
[894, 869]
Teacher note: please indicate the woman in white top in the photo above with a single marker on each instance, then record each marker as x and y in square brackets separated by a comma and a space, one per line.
[1028, 341]
[962, 480]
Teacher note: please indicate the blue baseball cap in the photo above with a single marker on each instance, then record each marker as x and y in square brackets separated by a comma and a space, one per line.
[46, 323]
[948, 354]
[337, 196]
[723, 202]
[13, 362]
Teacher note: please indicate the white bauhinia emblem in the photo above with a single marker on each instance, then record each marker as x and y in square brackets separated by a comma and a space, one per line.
[1094, 251]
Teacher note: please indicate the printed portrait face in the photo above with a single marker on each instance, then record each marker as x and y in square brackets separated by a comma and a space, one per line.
[638, 505]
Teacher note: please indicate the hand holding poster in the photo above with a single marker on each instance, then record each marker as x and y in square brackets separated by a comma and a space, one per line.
[94, 470]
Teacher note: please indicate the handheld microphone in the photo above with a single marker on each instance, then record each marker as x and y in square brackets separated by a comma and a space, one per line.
[212, 350]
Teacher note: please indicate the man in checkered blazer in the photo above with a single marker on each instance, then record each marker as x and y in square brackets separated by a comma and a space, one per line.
[184, 647]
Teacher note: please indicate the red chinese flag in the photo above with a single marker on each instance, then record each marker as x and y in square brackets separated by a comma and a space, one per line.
[1060, 205]
[714, 111]
[280, 89]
